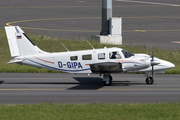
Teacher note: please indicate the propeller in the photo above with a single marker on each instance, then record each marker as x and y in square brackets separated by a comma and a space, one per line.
[153, 62]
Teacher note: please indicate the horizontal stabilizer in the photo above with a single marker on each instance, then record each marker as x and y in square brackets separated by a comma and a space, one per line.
[15, 61]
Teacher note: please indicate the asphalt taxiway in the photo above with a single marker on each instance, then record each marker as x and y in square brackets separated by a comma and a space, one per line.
[33, 88]
[151, 23]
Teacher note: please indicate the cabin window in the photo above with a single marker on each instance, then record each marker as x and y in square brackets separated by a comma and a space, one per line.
[114, 55]
[101, 56]
[73, 57]
[87, 57]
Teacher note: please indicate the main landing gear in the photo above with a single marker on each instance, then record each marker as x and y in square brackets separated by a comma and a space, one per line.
[107, 79]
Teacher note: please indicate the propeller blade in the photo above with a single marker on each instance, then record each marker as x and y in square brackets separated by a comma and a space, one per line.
[152, 55]
[152, 60]
[152, 70]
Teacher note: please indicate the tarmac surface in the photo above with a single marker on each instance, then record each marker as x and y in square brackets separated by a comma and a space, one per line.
[34, 88]
[150, 22]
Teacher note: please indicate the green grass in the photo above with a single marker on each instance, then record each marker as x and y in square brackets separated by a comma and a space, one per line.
[54, 45]
[47, 111]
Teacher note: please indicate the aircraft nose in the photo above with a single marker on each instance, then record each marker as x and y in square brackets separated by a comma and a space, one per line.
[169, 65]
[172, 65]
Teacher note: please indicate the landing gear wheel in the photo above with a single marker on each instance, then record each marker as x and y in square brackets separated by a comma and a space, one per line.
[110, 77]
[149, 80]
[108, 83]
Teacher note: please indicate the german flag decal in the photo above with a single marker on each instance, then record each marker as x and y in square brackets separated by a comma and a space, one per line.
[19, 37]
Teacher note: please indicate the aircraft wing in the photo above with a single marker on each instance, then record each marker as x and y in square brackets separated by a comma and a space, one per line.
[106, 67]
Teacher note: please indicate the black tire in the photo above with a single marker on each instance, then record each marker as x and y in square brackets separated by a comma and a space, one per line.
[110, 81]
[107, 84]
[149, 80]
[110, 77]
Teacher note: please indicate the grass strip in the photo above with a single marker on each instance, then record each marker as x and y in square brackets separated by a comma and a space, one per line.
[48, 111]
[54, 45]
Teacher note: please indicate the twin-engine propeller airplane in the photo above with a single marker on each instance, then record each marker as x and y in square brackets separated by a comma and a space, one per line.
[100, 61]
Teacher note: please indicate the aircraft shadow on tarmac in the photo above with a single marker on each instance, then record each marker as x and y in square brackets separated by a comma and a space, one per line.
[94, 83]
[1, 82]
[88, 83]
[83, 83]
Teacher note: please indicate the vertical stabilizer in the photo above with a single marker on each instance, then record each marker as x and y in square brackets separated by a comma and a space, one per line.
[19, 43]
[11, 36]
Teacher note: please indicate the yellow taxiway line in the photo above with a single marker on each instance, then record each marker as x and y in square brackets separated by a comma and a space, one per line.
[140, 17]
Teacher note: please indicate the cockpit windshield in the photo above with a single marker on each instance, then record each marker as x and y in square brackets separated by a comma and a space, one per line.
[127, 54]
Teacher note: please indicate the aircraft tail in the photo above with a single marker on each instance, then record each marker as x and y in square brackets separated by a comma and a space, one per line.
[19, 43]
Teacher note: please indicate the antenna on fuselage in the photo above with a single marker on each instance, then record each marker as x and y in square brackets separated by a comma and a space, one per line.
[91, 45]
[65, 47]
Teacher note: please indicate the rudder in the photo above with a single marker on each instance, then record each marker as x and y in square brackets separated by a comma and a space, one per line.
[14, 49]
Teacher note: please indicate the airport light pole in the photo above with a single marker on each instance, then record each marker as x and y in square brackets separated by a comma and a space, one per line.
[106, 15]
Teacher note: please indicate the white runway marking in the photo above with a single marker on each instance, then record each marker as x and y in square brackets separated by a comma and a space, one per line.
[153, 3]
[81, 1]
[175, 41]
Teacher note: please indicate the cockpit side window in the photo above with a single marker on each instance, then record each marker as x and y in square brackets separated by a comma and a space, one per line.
[114, 55]
[127, 54]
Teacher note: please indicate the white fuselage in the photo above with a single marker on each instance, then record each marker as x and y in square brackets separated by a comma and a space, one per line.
[79, 61]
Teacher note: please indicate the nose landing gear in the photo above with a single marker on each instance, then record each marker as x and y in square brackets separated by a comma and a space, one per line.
[149, 80]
